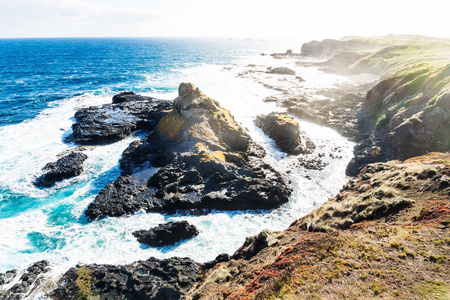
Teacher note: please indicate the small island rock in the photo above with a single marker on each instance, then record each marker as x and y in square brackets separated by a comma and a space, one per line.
[67, 166]
[281, 71]
[285, 131]
[166, 234]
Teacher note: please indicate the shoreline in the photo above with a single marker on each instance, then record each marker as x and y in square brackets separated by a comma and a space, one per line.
[286, 95]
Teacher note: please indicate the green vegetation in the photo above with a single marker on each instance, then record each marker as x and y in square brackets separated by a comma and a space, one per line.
[84, 282]
[434, 290]
[413, 90]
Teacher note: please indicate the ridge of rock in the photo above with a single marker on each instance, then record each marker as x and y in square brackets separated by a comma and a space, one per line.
[206, 160]
[108, 123]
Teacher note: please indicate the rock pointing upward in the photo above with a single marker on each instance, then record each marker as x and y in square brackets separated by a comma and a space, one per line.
[206, 160]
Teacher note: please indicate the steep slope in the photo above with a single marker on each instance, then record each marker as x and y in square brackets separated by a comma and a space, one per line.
[407, 112]
[396, 244]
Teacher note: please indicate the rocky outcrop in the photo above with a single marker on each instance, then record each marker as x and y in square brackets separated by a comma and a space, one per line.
[109, 123]
[206, 160]
[27, 282]
[281, 71]
[166, 234]
[405, 116]
[285, 131]
[151, 279]
[67, 166]
[7, 277]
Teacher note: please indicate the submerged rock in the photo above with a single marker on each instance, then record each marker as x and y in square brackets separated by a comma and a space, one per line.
[166, 234]
[67, 166]
[151, 279]
[206, 160]
[109, 123]
[285, 131]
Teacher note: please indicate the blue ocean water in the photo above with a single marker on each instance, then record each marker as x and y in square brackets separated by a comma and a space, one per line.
[44, 81]
[35, 72]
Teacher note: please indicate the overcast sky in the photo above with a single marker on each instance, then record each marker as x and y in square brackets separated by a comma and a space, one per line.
[291, 19]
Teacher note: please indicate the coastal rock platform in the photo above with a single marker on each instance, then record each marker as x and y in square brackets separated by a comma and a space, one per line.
[205, 160]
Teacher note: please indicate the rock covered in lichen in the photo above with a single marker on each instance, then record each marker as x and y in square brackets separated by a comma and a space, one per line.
[206, 160]
[285, 131]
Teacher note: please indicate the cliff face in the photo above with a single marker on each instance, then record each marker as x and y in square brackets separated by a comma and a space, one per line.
[384, 235]
[406, 113]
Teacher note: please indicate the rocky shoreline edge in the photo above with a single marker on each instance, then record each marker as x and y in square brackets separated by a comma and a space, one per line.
[371, 197]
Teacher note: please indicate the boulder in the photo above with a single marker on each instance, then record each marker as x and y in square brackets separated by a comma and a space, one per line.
[206, 161]
[281, 71]
[67, 166]
[286, 133]
[224, 257]
[150, 279]
[166, 234]
[109, 123]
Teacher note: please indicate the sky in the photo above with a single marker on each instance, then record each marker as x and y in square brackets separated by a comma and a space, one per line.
[280, 19]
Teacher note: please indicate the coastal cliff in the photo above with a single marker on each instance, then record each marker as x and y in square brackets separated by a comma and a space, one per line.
[384, 235]
[407, 112]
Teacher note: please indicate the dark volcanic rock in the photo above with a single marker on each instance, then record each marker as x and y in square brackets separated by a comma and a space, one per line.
[109, 123]
[7, 277]
[128, 97]
[285, 131]
[30, 279]
[281, 71]
[220, 258]
[166, 234]
[207, 162]
[151, 279]
[68, 166]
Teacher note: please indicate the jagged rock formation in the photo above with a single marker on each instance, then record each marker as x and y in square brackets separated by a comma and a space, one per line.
[109, 123]
[27, 282]
[206, 160]
[151, 279]
[385, 235]
[67, 166]
[166, 234]
[285, 131]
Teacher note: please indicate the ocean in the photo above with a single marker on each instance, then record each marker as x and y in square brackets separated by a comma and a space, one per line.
[44, 82]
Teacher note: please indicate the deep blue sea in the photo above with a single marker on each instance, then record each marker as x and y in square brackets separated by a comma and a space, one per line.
[42, 84]
[36, 72]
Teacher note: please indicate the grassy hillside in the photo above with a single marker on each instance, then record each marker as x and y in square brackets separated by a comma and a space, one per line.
[385, 235]
[409, 108]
